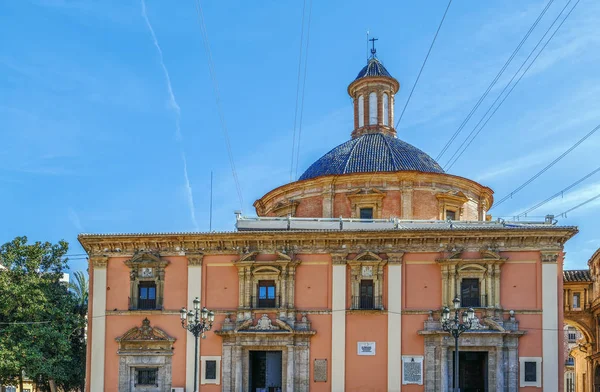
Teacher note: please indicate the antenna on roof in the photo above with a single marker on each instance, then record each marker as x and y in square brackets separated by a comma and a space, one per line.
[211, 194]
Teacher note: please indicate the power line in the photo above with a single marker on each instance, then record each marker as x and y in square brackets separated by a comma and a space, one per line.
[510, 195]
[218, 100]
[559, 193]
[493, 83]
[424, 62]
[449, 165]
[564, 214]
[303, 87]
[297, 91]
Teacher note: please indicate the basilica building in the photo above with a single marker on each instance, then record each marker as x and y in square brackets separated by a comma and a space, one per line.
[338, 283]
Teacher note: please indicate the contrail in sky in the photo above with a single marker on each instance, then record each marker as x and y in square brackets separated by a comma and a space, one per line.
[175, 106]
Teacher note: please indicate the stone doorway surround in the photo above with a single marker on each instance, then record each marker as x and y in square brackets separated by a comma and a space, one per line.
[290, 337]
[499, 338]
[145, 347]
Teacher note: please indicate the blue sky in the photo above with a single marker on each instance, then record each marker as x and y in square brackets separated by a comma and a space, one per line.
[94, 138]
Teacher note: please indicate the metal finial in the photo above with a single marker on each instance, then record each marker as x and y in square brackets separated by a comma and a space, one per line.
[373, 50]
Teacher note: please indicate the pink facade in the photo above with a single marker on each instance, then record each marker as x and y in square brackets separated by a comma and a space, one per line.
[339, 284]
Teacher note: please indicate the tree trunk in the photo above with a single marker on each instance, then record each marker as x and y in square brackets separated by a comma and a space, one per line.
[21, 381]
[52, 384]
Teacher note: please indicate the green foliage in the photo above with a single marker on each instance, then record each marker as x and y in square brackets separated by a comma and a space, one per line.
[41, 321]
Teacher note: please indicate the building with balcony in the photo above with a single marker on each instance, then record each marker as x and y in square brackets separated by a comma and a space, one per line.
[338, 283]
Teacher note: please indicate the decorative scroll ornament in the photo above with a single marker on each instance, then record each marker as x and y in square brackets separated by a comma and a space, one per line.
[264, 324]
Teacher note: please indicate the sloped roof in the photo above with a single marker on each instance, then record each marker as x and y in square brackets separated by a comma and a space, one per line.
[577, 276]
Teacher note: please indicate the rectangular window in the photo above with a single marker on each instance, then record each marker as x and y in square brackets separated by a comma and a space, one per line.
[366, 213]
[450, 215]
[266, 294]
[147, 376]
[572, 337]
[210, 370]
[576, 300]
[147, 295]
[469, 291]
[366, 294]
[530, 372]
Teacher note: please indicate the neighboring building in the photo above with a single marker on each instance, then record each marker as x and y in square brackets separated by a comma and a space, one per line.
[339, 283]
[27, 387]
[575, 376]
[582, 312]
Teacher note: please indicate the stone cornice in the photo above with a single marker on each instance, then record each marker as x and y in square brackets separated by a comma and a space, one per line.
[549, 240]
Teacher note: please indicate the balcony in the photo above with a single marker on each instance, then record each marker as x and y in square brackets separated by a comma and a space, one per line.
[474, 302]
[264, 303]
[145, 304]
[570, 361]
[367, 302]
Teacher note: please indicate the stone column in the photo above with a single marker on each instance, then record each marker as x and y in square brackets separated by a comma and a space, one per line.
[499, 368]
[194, 289]
[338, 323]
[497, 286]
[452, 285]
[328, 196]
[407, 193]
[98, 317]
[550, 326]
[394, 338]
[441, 375]
[239, 375]
[226, 363]
[491, 280]
[289, 387]
[445, 288]
[248, 289]
[513, 368]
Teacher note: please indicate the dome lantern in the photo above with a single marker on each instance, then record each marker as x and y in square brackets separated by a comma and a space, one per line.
[373, 93]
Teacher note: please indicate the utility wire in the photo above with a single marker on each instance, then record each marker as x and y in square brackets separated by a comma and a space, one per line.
[559, 193]
[423, 65]
[489, 88]
[449, 165]
[510, 195]
[297, 91]
[218, 100]
[303, 87]
[564, 214]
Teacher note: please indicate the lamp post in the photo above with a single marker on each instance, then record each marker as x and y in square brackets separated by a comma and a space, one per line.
[197, 322]
[456, 328]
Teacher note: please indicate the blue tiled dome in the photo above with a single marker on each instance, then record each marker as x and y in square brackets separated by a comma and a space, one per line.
[374, 152]
[373, 68]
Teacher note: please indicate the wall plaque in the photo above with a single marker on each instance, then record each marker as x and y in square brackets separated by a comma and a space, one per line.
[366, 348]
[320, 370]
[412, 370]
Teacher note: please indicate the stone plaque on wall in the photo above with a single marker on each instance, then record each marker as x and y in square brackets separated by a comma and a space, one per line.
[320, 370]
[412, 370]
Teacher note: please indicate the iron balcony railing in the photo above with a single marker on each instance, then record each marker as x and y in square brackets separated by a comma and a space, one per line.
[264, 303]
[367, 302]
[145, 304]
[570, 362]
[474, 302]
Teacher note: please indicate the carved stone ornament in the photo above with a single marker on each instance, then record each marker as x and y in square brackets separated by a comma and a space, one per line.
[339, 258]
[367, 271]
[549, 256]
[195, 259]
[145, 337]
[264, 324]
[99, 261]
[395, 258]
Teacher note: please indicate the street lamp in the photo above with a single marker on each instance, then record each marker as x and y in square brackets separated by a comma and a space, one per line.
[456, 328]
[197, 322]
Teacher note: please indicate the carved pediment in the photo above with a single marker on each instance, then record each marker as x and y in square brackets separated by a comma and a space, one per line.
[367, 257]
[251, 256]
[472, 268]
[145, 337]
[452, 197]
[146, 258]
[490, 253]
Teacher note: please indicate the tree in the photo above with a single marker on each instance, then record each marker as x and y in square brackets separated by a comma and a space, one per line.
[79, 287]
[40, 319]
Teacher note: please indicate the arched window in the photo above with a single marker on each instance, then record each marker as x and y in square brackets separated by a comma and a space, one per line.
[372, 109]
[386, 109]
[361, 111]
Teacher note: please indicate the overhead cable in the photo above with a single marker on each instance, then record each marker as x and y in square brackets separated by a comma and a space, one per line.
[493, 83]
[297, 91]
[303, 88]
[529, 181]
[424, 62]
[559, 193]
[564, 214]
[449, 164]
[213, 77]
